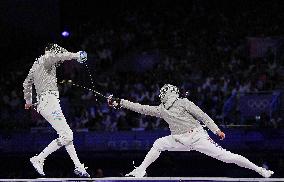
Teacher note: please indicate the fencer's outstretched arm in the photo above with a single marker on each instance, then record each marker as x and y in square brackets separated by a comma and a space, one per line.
[201, 116]
[142, 109]
[28, 86]
[52, 59]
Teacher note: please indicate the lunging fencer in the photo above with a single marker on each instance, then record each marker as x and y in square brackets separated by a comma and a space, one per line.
[187, 133]
[43, 76]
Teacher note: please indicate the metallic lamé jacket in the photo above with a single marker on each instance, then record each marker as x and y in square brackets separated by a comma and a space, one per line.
[182, 115]
[43, 73]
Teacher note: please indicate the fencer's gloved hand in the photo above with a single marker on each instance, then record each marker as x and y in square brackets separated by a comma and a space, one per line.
[83, 57]
[221, 134]
[113, 102]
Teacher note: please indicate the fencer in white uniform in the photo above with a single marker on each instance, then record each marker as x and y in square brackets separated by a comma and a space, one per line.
[43, 76]
[185, 122]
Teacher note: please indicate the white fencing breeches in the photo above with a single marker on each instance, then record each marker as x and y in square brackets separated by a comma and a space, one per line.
[197, 140]
[50, 109]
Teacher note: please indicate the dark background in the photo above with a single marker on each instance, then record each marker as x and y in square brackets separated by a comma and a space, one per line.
[149, 43]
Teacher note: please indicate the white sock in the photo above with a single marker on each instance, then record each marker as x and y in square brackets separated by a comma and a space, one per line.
[53, 146]
[72, 153]
[152, 155]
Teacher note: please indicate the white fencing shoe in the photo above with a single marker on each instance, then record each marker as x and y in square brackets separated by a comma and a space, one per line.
[81, 171]
[38, 164]
[265, 173]
[137, 172]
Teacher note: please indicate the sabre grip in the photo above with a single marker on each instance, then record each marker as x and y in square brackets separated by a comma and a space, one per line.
[83, 57]
[113, 102]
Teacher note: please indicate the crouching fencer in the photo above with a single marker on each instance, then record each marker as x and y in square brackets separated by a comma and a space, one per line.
[43, 76]
[187, 133]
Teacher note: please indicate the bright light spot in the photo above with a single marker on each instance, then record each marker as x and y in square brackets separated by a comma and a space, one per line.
[65, 34]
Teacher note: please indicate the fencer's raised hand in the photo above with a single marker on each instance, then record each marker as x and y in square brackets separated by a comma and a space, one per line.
[221, 134]
[113, 102]
[28, 106]
[83, 57]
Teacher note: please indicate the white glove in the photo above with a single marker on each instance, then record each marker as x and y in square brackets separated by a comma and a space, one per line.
[113, 102]
[83, 57]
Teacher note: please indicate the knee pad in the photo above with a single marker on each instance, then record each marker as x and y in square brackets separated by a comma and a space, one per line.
[65, 138]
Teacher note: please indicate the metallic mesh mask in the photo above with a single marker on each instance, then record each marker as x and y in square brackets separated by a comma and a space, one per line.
[54, 48]
[167, 88]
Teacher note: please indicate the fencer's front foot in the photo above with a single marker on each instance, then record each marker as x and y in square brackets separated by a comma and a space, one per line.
[137, 173]
[38, 164]
[265, 173]
[81, 171]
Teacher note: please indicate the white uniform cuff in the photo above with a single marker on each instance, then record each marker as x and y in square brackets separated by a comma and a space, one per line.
[29, 101]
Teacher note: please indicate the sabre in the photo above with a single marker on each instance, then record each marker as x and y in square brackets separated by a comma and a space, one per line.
[90, 76]
[34, 105]
[83, 60]
[86, 88]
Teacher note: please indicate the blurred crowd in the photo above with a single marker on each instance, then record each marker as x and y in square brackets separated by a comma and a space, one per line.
[203, 52]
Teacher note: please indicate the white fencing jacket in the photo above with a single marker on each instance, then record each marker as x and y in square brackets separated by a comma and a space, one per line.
[181, 114]
[43, 73]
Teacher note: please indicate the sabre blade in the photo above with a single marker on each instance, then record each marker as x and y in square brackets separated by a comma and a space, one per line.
[86, 88]
[98, 93]
[90, 75]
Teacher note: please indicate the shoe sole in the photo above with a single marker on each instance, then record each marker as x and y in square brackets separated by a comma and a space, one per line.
[79, 174]
[36, 168]
[271, 173]
[131, 175]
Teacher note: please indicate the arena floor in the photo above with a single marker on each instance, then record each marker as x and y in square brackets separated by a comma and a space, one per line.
[152, 179]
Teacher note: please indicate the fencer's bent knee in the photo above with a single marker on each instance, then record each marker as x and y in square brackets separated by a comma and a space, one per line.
[65, 138]
[159, 144]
